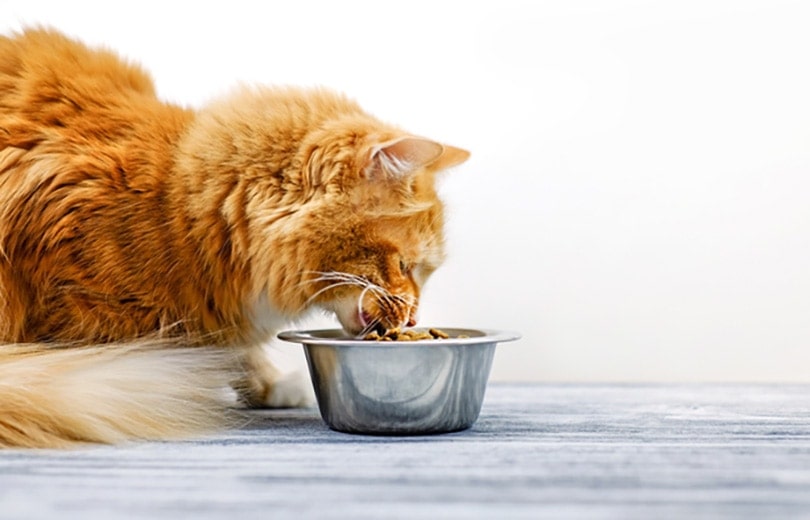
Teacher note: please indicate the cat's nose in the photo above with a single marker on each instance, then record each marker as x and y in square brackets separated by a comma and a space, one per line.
[412, 320]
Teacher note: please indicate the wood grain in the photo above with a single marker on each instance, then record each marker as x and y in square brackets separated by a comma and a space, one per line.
[537, 451]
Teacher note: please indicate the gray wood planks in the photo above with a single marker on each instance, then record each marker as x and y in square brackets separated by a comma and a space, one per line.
[537, 451]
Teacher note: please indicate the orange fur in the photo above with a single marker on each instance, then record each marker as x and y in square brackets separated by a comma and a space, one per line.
[123, 217]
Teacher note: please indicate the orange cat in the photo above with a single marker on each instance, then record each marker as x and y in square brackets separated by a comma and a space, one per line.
[131, 229]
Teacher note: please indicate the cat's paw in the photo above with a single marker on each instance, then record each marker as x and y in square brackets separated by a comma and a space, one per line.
[272, 385]
[291, 390]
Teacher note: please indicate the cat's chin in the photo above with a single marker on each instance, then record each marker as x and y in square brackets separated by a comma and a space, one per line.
[351, 331]
[355, 320]
[352, 321]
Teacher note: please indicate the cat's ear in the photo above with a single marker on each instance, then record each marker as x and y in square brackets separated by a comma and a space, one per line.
[403, 156]
[451, 156]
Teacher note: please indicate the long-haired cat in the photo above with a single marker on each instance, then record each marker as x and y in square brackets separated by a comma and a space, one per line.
[148, 252]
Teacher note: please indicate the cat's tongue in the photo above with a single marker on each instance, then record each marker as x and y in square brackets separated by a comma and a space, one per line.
[365, 318]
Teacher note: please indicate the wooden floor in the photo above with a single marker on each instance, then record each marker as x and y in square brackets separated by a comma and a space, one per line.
[541, 451]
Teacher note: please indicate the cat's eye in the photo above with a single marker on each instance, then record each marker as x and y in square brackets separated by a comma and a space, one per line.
[404, 267]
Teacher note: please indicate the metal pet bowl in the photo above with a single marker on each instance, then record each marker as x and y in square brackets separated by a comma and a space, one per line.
[399, 388]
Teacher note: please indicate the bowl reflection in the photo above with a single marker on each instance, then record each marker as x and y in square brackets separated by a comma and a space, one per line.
[399, 388]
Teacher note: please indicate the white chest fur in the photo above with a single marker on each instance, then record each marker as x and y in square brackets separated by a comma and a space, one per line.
[265, 320]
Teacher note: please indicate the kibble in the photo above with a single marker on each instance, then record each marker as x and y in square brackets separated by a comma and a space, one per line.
[397, 334]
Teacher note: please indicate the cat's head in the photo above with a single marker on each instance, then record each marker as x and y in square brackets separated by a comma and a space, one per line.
[329, 207]
[375, 227]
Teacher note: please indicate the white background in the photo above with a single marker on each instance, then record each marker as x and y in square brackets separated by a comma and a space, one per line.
[637, 199]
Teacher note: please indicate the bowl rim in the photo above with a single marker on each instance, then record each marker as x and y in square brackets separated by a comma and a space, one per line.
[333, 337]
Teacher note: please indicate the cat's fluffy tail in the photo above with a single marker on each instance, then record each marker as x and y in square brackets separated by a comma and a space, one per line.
[58, 397]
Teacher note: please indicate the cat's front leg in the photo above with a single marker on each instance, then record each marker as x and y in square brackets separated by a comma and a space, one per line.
[264, 385]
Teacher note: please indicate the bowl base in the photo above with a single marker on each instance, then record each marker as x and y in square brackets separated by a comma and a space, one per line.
[391, 433]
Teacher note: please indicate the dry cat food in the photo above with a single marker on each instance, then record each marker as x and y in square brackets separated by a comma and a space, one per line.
[407, 335]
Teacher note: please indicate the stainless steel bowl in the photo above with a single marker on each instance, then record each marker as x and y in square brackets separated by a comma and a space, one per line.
[399, 388]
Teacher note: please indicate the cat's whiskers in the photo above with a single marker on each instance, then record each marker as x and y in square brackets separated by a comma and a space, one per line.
[339, 279]
[407, 299]
[360, 312]
[324, 289]
[368, 328]
[385, 299]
